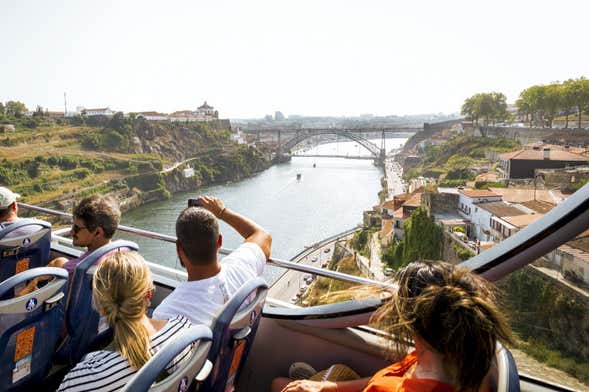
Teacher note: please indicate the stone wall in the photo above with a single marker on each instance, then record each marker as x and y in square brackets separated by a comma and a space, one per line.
[439, 202]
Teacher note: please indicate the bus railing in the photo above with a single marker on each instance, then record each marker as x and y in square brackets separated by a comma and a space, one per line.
[224, 251]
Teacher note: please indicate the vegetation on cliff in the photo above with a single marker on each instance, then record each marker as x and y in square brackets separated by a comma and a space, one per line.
[552, 324]
[452, 161]
[67, 158]
[422, 239]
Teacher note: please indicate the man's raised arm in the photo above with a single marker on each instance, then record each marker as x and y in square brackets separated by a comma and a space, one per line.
[248, 229]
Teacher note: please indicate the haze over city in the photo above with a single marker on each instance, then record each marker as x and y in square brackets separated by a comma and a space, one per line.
[300, 57]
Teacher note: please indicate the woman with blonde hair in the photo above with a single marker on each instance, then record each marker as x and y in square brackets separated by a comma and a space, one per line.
[452, 318]
[121, 291]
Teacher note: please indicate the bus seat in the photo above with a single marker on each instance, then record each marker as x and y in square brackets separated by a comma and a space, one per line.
[234, 330]
[85, 328]
[30, 327]
[145, 379]
[20, 252]
[503, 375]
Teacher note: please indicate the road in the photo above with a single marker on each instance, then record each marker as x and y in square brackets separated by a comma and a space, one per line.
[286, 287]
[394, 176]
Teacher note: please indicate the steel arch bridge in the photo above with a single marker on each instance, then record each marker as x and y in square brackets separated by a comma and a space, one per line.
[376, 151]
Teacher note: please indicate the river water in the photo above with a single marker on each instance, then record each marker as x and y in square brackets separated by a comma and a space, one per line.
[327, 200]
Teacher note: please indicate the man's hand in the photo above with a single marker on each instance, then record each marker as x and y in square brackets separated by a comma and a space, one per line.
[310, 386]
[212, 204]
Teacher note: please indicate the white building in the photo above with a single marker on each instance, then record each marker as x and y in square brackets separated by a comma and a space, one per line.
[468, 208]
[97, 112]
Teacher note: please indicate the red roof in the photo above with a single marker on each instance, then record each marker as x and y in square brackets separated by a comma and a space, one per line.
[538, 155]
[475, 193]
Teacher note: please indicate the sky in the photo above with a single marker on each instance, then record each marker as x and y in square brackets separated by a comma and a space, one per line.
[305, 57]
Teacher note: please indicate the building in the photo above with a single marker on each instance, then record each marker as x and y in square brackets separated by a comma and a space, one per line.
[97, 112]
[519, 195]
[468, 208]
[522, 163]
[278, 116]
[207, 112]
[504, 227]
[153, 116]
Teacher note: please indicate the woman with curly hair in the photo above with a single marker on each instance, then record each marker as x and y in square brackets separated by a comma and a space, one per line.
[450, 315]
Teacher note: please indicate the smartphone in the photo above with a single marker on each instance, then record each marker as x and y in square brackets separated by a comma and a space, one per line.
[194, 203]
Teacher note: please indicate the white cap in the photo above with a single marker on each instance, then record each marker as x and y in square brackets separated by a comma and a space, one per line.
[7, 197]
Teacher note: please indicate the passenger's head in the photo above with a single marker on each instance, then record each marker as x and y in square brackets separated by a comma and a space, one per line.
[198, 236]
[96, 219]
[453, 312]
[121, 291]
[8, 206]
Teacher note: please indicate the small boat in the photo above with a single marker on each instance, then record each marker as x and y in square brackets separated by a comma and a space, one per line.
[299, 175]
[314, 165]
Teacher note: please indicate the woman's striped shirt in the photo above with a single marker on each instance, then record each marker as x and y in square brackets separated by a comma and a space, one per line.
[109, 371]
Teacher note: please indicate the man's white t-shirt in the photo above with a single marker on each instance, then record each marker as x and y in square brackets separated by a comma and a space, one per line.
[201, 300]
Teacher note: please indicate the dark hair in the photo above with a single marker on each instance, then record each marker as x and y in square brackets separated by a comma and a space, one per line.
[454, 311]
[197, 231]
[99, 211]
[5, 212]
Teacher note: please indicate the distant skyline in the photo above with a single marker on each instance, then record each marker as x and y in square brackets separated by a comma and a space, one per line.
[252, 58]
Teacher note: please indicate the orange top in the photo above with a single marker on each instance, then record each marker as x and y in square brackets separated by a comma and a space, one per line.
[392, 379]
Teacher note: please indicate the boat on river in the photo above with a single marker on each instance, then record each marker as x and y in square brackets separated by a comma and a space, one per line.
[316, 334]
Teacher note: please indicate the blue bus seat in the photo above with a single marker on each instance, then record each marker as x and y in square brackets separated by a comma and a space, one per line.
[24, 251]
[85, 328]
[30, 327]
[234, 330]
[200, 337]
[503, 375]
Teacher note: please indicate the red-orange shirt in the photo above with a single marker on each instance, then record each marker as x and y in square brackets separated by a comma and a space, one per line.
[392, 379]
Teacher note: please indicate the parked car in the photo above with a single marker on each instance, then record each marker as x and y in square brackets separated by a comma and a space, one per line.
[388, 271]
[327, 250]
[314, 259]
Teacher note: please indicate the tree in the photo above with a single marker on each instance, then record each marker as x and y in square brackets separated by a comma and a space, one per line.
[489, 106]
[1, 110]
[552, 102]
[567, 99]
[579, 90]
[15, 109]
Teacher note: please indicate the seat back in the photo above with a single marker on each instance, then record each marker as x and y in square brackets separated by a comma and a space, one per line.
[85, 327]
[30, 327]
[234, 330]
[200, 337]
[503, 375]
[22, 247]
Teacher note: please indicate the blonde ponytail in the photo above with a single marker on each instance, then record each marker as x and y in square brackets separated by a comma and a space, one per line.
[120, 285]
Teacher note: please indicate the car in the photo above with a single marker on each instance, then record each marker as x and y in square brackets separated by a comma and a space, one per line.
[294, 299]
[314, 259]
[388, 271]
[327, 250]
[302, 288]
[324, 264]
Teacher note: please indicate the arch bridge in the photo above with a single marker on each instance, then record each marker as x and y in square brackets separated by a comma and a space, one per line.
[301, 135]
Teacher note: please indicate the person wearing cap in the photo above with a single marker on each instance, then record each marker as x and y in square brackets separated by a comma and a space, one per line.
[9, 214]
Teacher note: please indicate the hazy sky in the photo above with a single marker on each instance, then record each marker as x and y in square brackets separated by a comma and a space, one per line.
[316, 57]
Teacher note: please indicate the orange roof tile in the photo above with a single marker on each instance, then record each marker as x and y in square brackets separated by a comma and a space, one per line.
[518, 195]
[520, 221]
[398, 213]
[387, 227]
[415, 201]
[538, 155]
[478, 193]
[389, 204]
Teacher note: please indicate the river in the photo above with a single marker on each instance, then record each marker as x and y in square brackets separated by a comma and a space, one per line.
[327, 200]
